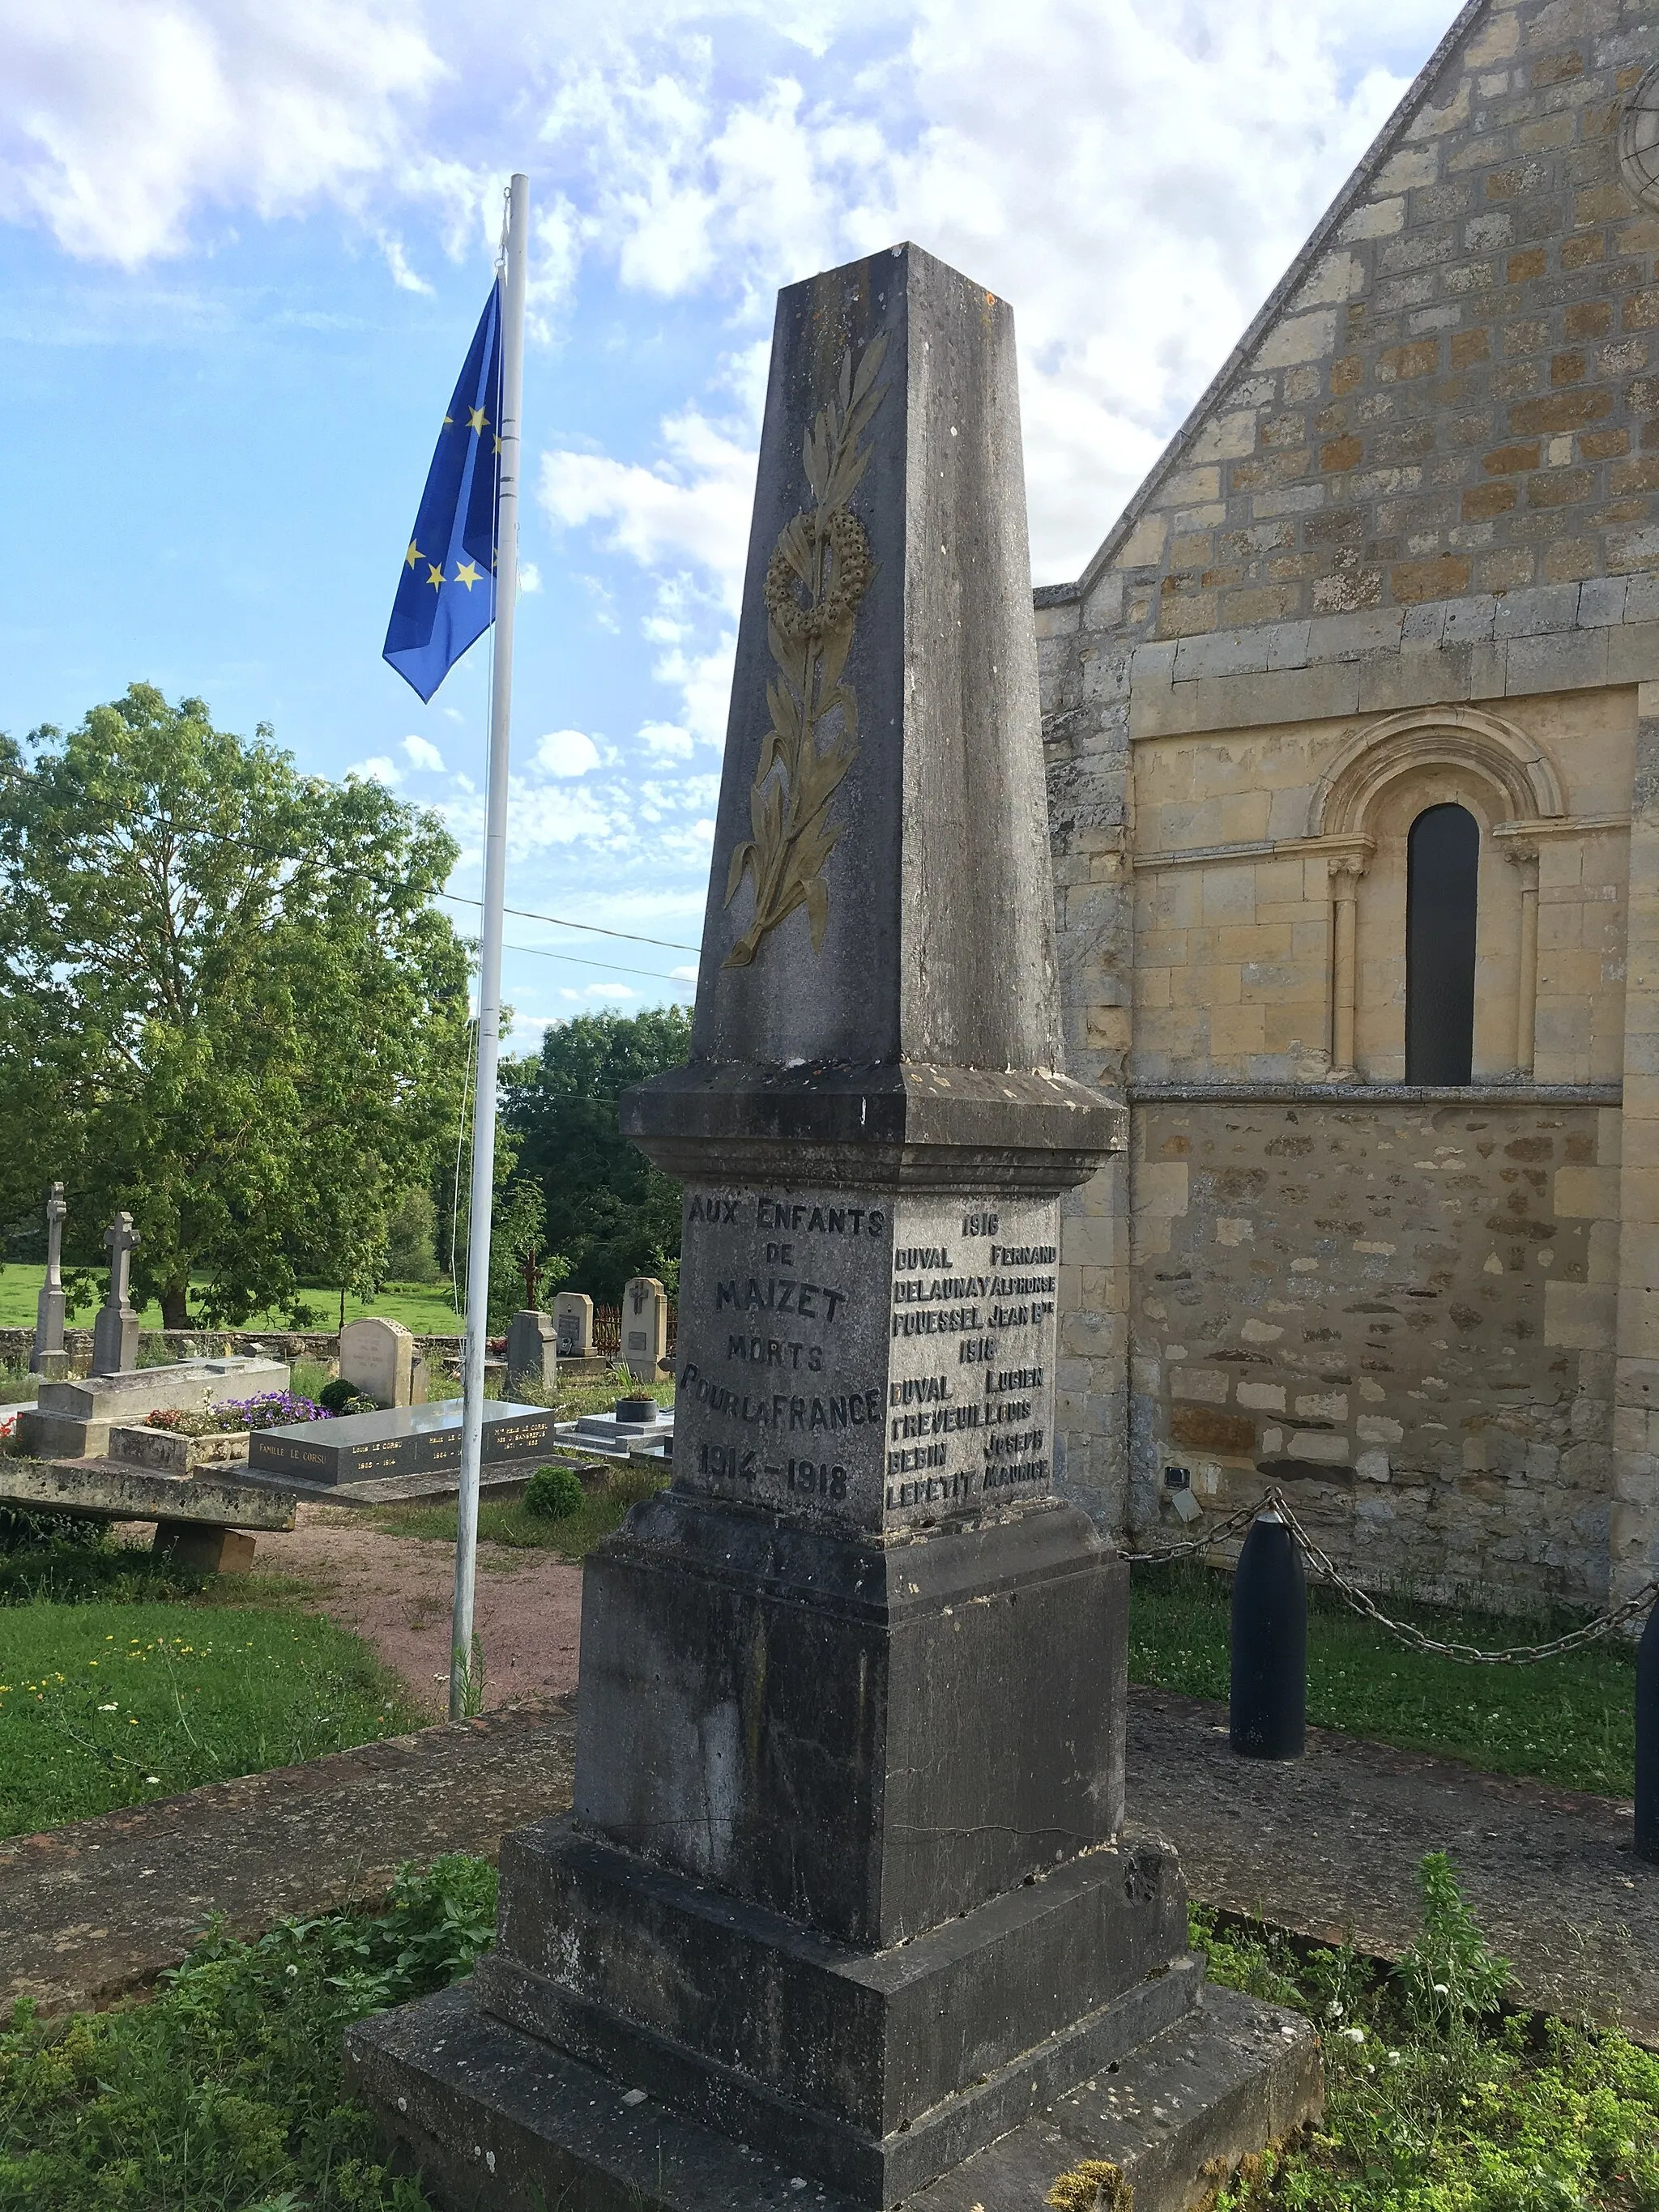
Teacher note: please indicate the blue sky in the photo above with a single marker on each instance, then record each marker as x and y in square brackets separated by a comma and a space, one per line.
[242, 250]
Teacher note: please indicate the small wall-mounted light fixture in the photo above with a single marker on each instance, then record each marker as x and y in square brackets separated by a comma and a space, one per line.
[1178, 1493]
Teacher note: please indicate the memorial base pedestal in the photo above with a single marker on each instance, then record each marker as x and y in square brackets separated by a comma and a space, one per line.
[496, 2120]
[841, 1891]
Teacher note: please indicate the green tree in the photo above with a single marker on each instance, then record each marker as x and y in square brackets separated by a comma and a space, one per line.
[410, 1229]
[226, 1004]
[608, 1212]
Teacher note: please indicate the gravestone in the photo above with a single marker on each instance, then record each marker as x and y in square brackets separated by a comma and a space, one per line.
[115, 1332]
[401, 1440]
[378, 1358]
[644, 1327]
[532, 1351]
[48, 1356]
[573, 1317]
[841, 1906]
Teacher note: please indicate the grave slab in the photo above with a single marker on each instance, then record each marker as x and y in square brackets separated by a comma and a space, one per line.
[615, 1438]
[402, 1440]
[205, 1523]
[841, 1881]
[73, 1420]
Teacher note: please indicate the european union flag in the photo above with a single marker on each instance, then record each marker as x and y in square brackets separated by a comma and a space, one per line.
[447, 593]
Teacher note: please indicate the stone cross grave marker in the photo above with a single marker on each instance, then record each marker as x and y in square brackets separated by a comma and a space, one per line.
[842, 1887]
[573, 1316]
[48, 1357]
[532, 1351]
[644, 1327]
[115, 1332]
[378, 1358]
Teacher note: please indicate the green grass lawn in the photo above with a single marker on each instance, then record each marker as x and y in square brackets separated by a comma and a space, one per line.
[426, 1308]
[1570, 1721]
[1436, 2101]
[600, 1512]
[225, 2092]
[104, 1704]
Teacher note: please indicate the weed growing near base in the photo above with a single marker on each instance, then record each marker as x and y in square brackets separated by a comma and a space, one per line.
[226, 2091]
[1436, 2102]
[104, 1705]
[1571, 1721]
[513, 1523]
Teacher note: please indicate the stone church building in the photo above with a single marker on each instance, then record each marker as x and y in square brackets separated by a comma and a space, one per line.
[1352, 730]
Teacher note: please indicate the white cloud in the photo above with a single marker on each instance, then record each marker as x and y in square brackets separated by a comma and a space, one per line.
[683, 975]
[1134, 178]
[566, 753]
[377, 769]
[665, 740]
[542, 816]
[691, 506]
[121, 120]
[421, 753]
[530, 576]
[397, 262]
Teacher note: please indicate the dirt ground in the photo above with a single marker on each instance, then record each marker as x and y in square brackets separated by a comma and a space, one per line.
[395, 1592]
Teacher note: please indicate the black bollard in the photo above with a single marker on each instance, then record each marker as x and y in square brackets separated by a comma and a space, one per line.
[1269, 1703]
[1647, 1741]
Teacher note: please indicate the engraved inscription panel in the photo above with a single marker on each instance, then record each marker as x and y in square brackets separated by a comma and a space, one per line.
[855, 1359]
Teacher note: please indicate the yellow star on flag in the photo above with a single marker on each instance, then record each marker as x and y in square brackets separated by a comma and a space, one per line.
[467, 574]
[433, 576]
[413, 555]
[498, 445]
[476, 418]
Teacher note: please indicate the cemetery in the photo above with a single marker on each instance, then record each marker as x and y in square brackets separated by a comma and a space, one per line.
[1086, 1633]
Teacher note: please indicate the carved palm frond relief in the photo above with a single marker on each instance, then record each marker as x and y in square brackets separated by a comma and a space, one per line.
[815, 580]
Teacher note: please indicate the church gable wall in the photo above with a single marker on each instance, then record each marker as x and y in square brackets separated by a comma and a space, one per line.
[1404, 552]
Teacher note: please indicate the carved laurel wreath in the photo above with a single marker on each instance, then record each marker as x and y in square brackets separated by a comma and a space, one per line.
[823, 553]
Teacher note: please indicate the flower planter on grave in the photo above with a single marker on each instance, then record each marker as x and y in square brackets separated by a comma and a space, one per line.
[166, 1451]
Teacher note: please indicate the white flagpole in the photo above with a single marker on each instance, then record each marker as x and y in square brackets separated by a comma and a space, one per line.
[490, 957]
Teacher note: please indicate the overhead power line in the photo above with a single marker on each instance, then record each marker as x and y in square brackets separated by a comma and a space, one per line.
[596, 929]
[580, 960]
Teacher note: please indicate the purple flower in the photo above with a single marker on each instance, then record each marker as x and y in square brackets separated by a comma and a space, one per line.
[272, 1409]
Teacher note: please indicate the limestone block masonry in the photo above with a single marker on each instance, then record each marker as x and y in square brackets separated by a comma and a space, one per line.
[1404, 553]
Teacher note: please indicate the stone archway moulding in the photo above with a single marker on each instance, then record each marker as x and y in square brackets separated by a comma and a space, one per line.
[1441, 737]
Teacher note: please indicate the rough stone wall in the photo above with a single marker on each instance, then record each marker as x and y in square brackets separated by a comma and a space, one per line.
[1456, 394]
[1401, 1312]
[1426, 479]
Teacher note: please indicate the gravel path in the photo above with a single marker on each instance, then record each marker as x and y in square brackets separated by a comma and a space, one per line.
[395, 1592]
[92, 1911]
[1329, 1845]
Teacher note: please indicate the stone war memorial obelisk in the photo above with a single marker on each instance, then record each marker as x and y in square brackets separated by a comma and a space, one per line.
[841, 1915]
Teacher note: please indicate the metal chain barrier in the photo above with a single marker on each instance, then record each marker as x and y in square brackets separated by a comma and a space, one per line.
[1520, 1655]
[1218, 1534]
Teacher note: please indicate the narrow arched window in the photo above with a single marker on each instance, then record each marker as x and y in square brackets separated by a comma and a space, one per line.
[1443, 872]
